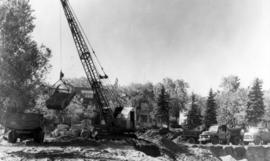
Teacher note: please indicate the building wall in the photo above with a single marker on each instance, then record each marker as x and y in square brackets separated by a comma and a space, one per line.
[182, 117]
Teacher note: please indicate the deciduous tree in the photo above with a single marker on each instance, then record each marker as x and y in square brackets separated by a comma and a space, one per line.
[231, 102]
[230, 83]
[23, 64]
[178, 93]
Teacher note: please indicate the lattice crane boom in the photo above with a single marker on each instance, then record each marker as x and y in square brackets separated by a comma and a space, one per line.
[86, 57]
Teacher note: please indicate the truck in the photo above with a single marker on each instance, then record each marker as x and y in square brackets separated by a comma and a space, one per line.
[257, 136]
[24, 126]
[221, 134]
[190, 136]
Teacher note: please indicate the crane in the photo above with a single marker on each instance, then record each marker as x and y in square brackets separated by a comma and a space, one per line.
[94, 77]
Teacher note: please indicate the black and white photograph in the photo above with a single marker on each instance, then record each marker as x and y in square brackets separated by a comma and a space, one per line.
[134, 80]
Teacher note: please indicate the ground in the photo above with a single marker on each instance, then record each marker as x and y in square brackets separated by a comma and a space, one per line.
[72, 153]
[87, 150]
[93, 150]
[153, 145]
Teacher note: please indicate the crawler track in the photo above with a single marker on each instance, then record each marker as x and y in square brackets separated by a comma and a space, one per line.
[139, 144]
[145, 146]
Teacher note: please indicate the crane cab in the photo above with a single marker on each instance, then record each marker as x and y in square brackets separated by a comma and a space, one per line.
[126, 119]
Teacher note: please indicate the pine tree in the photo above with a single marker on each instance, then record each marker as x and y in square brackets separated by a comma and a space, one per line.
[163, 106]
[194, 118]
[210, 117]
[255, 106]
[23, 64]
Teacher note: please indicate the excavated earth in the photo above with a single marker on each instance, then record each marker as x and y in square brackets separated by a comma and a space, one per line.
[72, 149]
[151, 145]
[181, 150]
[67, 148]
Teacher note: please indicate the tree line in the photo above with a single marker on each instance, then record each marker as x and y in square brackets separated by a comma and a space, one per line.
[232, 104]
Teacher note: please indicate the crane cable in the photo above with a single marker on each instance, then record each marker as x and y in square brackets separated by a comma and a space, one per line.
[112, 93]
[87, 40]
[60, 40]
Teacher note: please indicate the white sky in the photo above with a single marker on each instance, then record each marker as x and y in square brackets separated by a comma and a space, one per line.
[199, 41]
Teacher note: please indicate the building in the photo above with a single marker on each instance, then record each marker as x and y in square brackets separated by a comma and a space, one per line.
[144, 116]
[182, 117]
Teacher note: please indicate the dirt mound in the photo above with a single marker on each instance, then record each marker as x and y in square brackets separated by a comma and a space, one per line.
[164, 140]
[149, 149]
[157, 134]
[65, 141]
[107, 150]
[47, 154]
[174, 147]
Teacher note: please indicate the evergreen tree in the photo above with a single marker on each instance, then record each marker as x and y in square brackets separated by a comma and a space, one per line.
[163, 106]
[210, 117]
[255, 106]
[194, 118]
[23, 64]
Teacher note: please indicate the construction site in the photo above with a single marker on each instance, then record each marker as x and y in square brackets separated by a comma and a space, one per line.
[93, 118]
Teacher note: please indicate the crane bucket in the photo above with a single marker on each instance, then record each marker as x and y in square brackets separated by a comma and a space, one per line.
[59, 101]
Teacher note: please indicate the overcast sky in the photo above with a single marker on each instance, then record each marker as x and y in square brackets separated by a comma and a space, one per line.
[199, 41]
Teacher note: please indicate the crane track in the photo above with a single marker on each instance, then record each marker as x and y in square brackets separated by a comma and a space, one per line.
[145, 146]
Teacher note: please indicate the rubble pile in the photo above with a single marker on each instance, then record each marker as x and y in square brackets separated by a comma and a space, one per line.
[163, 138]
[83, 129]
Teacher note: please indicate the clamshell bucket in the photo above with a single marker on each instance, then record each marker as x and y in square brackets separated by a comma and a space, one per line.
[61, 96]
[59, 101]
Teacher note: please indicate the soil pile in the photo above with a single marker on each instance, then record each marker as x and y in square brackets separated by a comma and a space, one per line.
[163, 139]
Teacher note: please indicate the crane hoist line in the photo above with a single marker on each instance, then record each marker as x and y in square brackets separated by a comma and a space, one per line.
[101, 93]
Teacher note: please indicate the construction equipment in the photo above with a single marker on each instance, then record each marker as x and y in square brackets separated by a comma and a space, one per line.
[221, 134]
[62, 94]
[24, 126]
[117, 118]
